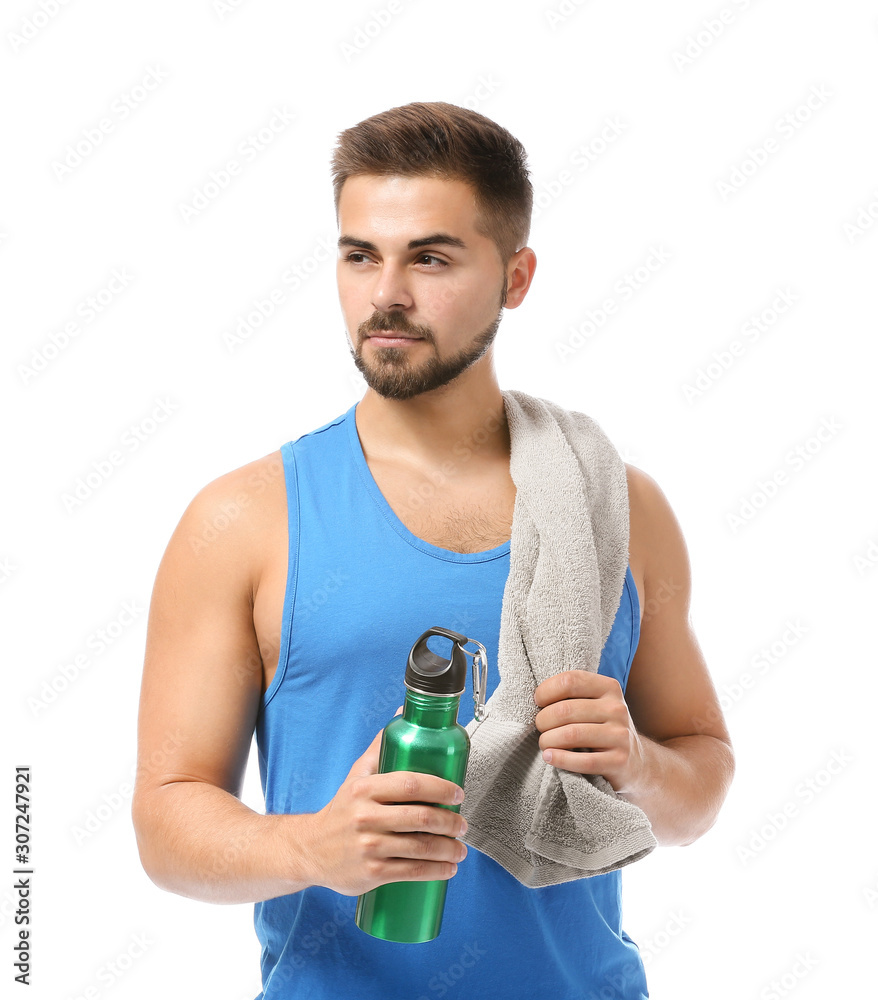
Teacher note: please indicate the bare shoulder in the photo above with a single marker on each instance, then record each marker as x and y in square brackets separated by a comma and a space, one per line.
[254, 478]
[644, 494]
[656, 538]
[229, 516]
[669, 689]
[247, 494]
[203, 668]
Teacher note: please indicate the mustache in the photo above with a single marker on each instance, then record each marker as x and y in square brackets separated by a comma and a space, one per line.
[395, 322]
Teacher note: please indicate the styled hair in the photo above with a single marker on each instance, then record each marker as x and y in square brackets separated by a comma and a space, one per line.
[444, 140]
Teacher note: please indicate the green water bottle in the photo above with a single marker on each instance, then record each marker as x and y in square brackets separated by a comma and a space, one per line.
[425, 738]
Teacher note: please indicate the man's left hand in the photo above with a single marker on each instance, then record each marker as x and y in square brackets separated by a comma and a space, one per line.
[584, 711]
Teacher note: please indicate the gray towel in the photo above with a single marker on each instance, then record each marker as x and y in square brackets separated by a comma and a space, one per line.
[567, 563]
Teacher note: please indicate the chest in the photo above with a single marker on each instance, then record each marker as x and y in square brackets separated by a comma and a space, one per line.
[470, 516]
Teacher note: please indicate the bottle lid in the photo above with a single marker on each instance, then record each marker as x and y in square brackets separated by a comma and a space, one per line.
[431, 674]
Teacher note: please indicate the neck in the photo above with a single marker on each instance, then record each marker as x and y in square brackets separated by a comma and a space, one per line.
[464, 418]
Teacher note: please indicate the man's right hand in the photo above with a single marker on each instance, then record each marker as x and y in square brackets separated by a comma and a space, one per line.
[378, 828]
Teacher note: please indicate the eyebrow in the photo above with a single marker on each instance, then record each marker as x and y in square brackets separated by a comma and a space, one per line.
[434, 239]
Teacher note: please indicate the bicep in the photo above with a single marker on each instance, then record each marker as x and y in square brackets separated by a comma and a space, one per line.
[669, 692]
[202, 675]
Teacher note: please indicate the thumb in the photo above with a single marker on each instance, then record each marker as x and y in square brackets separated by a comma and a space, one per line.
[368, 763]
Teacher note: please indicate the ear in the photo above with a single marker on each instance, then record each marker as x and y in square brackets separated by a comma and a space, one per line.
[519, 274]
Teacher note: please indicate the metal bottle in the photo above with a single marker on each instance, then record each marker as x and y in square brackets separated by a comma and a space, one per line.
[425, 738]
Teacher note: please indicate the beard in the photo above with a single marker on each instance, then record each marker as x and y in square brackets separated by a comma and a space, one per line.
[393, 376]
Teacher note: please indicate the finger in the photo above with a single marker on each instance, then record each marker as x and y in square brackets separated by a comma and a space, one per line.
[412, 786]
[400, 858]
[582, 736]
[579, 763]
[413, 856]
[423, 847]
[569, 712]
[572, 684]
[409, 870]
[423, 818]
[368, 763]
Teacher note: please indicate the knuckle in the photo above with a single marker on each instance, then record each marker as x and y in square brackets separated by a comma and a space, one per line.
[427, 846]
[567, 682]
[580, 736]
[360, 788]
[618, 710]
[368, 845]
[411, 786]
[620, 736]
[563, 710]
[419, 870]
[361, 820]
[422, 818]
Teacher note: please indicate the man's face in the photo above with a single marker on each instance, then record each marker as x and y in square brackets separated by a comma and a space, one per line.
[420, 290]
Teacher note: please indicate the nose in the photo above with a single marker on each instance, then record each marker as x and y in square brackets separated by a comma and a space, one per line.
[391, 289]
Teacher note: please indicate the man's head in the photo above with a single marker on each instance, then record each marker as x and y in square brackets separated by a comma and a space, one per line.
[432, 233]
[443, 140]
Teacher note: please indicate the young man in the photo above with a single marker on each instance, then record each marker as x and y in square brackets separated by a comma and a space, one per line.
[295, 622]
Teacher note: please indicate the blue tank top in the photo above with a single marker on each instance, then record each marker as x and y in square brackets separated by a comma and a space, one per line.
[360, 589]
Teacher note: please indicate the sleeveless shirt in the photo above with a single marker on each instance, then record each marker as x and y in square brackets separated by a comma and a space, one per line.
[360, 589]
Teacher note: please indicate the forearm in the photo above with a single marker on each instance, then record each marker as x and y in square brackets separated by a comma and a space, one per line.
[683, 784]
[200, 841]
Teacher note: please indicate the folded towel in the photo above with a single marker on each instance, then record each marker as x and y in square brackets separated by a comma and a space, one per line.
[568, 557]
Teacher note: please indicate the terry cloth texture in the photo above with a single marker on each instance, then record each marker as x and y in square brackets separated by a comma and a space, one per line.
[568, 557]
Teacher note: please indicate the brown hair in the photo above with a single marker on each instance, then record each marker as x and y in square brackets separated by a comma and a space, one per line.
[445, 140]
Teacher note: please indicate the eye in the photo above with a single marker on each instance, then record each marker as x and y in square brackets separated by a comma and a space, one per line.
[356, 257]
[438, 261]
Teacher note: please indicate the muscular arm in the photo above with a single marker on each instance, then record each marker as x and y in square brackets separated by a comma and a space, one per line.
[688, 760]
[201, 690]
[664, 745]
[202, 682]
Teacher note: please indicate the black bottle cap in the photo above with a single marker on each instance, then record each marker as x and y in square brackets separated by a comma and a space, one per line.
[433, 674]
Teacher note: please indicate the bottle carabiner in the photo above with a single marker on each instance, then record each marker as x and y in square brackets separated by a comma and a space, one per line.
[480, 678]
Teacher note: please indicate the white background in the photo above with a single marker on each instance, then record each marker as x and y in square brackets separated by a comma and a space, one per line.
[780, 897]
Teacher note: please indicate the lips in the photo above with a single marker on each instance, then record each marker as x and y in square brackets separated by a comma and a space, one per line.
[393, 335]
